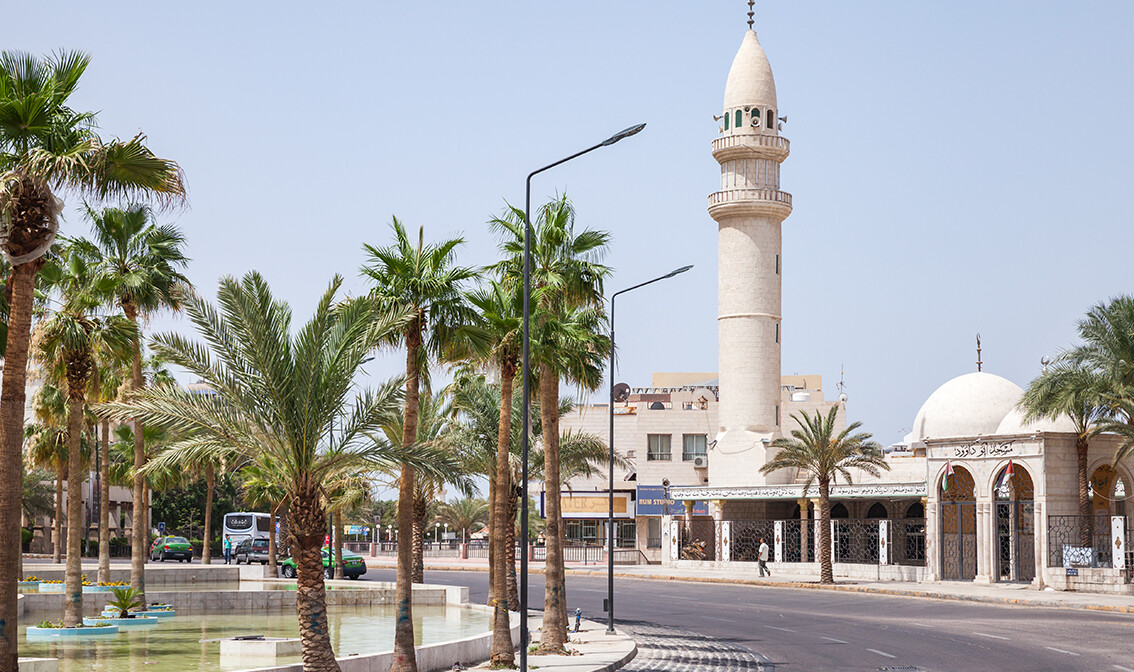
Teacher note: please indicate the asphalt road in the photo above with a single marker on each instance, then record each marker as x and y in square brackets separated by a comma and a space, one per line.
[817, 631]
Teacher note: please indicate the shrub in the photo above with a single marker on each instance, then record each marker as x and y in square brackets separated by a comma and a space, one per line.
[125, 598]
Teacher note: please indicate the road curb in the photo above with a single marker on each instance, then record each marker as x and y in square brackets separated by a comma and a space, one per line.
[896, 592]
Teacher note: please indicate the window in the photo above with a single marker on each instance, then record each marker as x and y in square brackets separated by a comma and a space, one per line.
[777, 332]
[726, 120]
[653, 532]
[739, 119]
[658, 447]
[771, 119]
[755, 117]
[777, 416]
[777, 264]
[693, 446]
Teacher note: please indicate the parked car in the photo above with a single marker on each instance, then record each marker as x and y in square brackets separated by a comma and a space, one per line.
[171, 548]
[251, 550]
[353, 565]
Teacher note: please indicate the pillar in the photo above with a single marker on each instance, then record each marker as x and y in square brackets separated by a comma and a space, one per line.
[1040, 544]
[983, 545]
[802, 530]
[932, 537]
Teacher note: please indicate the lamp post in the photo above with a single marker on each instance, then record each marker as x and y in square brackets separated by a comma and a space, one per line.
[633, 130]
[610, 445]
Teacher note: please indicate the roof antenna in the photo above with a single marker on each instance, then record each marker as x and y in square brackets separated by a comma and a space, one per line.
[750, 13]
[978, 362]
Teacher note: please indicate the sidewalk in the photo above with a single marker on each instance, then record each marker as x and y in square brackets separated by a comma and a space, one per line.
[993, 593]
[473, 564]
[596, 651]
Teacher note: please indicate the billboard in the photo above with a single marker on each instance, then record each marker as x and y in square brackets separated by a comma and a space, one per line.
[590, 505]
[651, 502]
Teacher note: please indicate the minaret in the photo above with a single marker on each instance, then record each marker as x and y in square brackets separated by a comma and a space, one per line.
[749, 210]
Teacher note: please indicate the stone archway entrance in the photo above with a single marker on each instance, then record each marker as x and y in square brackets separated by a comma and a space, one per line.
[958, 526]
[1013, 494]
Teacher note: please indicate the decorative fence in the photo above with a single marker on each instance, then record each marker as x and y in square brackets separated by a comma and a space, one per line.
[1089, 541]
[867, 541]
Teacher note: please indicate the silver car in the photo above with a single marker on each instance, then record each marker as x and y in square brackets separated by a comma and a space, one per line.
[251, 550]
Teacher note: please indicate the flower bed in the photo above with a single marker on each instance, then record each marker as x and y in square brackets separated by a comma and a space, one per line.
[48, 630]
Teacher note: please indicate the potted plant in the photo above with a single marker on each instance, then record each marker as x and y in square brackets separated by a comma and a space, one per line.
[125, 598]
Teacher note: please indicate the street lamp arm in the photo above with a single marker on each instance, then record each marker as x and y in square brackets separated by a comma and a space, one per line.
[650, 282]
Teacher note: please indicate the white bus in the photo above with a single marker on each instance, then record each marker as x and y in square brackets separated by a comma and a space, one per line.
[245, 525]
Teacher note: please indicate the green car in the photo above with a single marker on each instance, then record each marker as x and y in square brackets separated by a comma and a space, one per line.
[171, 548]
[353, 565]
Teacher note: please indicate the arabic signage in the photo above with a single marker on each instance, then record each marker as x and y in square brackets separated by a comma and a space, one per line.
[651, 502]
[590, 505]
[857, 490]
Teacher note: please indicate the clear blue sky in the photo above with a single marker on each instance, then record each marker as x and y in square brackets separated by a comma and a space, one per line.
[956, 167]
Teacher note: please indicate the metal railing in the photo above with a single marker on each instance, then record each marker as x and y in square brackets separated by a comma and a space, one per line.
[1078, 541]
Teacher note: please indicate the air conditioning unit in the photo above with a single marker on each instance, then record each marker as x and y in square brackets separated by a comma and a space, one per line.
[701, 462]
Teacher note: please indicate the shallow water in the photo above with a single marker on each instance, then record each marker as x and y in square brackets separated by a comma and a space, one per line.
[175, 644]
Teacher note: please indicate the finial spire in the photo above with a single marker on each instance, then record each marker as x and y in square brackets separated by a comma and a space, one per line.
[750, 13]
[978, 362]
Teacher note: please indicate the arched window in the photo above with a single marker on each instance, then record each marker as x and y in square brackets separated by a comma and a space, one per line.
[771, 119]
[839, 511]
[755, 117]
[739, 119]
[726, 117]
[877, 511]
[916, 510]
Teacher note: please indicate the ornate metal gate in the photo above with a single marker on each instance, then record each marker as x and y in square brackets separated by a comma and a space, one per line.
[958, 540]
[1016, 539]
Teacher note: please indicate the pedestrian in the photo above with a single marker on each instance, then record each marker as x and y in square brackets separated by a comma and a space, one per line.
[227, 549]
[764, 558]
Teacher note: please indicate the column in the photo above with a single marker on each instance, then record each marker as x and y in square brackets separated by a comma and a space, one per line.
[932, 538]
[815, 532]
[983, 547]
[667, 541]
[802, 530]
[1040, 544]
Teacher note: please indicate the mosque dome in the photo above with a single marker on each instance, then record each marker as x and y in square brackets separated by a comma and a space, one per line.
[750, 79]
[1013, 423]
[968, 405]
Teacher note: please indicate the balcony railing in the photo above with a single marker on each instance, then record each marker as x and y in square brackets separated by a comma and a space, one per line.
[746, 140]
[740, 195]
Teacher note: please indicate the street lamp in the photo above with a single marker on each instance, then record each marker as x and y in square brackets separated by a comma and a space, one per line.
[610, 445]
[633, 130]
[436, 532]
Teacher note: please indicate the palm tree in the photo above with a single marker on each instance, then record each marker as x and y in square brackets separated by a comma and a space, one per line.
[501, 312]
[264, 488]
[815, 448]
[465, 515]
[1068, 389]
[568, 342]
[344, 493]
[47, 146]
[47, 450]
[142, 262]
[71, 341]
[105, 386]
[277, 395]
[423, 281]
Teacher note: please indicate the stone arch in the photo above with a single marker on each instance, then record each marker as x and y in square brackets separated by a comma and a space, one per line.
[957, 528]
[1013, 492]
[962, 486]
[915, 510]
[839, 510]
[1018, 487]
[877, 510]
[1108, 489]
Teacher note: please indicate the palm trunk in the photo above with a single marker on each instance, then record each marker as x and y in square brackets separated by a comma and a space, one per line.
[12, 398]
[553, 637]
[57, 524]
[491, 536]
[139, 533]
[73, 605]
[513, 503]
[420, 509]
[104, 506]
[307, 524]
[210, 486]
[273, 512]
[1086, 530]
[338, 518]
[826, 571]
[404, 657]
[502, 650]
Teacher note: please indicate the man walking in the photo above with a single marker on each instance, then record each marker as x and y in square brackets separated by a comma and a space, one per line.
[764, 558]
[227, 549]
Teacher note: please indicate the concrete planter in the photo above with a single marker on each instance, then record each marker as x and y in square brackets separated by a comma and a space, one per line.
[136, 622]
[110, 612]
[71, 633]
[61, 587]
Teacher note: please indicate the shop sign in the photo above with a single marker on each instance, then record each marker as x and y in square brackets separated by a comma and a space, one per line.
[651, 502]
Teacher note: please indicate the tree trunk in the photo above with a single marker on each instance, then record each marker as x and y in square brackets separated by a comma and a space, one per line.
[104, 506]
[553, 634]
[12, 398]
[420, 509]
[57, 524]
[210, 486]
[272, 513]
[307, 524]
[73, 605]
[337, 517]
[510, 584]
[503, 653]
[1086, 530]
[405, 658]
[826, 571]
[140, 532]
[491, 536]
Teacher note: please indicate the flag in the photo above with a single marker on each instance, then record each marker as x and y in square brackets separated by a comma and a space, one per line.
[1005, 476]
[948, 477]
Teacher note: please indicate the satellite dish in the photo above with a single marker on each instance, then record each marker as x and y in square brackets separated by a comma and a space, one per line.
[621, 392]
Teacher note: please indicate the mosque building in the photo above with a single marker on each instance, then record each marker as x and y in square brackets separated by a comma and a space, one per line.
[973, 493]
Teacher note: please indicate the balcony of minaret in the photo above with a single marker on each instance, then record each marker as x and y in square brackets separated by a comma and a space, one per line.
[742, 201]
[730, 147]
